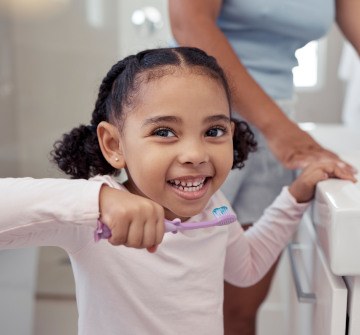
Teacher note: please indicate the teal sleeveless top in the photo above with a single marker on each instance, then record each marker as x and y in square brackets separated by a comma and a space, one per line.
[266, 33]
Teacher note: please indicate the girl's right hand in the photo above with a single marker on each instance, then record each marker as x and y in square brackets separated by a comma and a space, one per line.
[134, 221]
[303, 187]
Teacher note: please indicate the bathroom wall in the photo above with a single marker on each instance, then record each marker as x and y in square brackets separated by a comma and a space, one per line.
[58, 62]
[52, 63]
[8, 120]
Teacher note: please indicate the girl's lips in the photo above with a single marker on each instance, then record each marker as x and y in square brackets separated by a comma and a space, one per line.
[191, 191]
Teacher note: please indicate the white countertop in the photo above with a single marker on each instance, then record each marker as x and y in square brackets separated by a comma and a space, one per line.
[336, 209]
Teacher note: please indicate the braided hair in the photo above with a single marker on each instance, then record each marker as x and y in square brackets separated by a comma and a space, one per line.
[78, 153]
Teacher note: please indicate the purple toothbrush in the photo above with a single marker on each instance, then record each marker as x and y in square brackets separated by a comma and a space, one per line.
[221, 214]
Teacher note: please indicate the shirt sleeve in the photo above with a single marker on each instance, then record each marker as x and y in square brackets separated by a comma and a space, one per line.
[52, 212]
[250, 254]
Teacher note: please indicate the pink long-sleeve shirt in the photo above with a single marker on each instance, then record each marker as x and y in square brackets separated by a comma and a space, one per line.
[120, 290]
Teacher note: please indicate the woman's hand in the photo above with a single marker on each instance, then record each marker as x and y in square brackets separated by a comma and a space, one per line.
[303, 187]
[296, 149]
[134, 221]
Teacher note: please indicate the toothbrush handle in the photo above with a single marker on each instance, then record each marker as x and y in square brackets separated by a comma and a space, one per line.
[172, 226]
[104, 232]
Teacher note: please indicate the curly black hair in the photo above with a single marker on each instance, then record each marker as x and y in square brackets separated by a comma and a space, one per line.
[78, 152]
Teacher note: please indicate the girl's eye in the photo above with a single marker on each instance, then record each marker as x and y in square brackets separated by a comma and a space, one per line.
[164, 132]
[216, 132]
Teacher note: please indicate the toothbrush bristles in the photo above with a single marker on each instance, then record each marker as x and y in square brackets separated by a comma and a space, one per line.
[223, 215]
[220, 211]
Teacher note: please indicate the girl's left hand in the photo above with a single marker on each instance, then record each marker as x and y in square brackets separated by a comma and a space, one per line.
[303, 187]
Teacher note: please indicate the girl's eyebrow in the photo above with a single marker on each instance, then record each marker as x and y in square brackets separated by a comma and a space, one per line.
[218, 117]
[173, 119]
[159, 119]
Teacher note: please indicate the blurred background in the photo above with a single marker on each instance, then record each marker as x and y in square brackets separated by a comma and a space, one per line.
[53, 56]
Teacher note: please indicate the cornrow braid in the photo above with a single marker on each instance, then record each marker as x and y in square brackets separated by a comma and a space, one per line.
[101, 110]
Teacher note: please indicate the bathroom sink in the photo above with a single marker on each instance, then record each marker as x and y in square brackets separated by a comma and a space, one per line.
[336, 209]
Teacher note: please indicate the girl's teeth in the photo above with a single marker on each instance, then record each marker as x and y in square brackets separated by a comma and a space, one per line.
[188, 186]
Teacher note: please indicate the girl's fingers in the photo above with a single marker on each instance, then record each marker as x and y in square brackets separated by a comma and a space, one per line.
[304, 186]
[160, 226]
[302, 160]
[154, 227]
[149, 238]
[343, 173]
[154, 232]
[337, 170]
[157, 233]
[136, 233]
[119, 234]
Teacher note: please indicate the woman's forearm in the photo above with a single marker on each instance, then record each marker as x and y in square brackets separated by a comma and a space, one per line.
[347, 17]
[200, 30]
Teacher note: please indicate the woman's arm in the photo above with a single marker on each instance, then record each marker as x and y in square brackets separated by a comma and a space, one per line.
[193, 23]
[347, 17]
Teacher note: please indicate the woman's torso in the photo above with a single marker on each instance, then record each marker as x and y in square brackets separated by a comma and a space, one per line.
[265, 35]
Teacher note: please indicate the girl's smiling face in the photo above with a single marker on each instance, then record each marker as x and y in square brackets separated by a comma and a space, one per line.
[177, 142]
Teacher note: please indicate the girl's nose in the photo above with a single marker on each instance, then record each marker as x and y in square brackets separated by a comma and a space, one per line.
[193, 153]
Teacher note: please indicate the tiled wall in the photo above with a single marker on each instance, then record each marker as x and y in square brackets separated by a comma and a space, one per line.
[8, 124]
[56, 64]
[59, 61]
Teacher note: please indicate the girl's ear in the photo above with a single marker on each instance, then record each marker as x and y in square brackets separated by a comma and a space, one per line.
[109, 141]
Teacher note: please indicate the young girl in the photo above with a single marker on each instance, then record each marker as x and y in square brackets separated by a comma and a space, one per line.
[163, 116]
